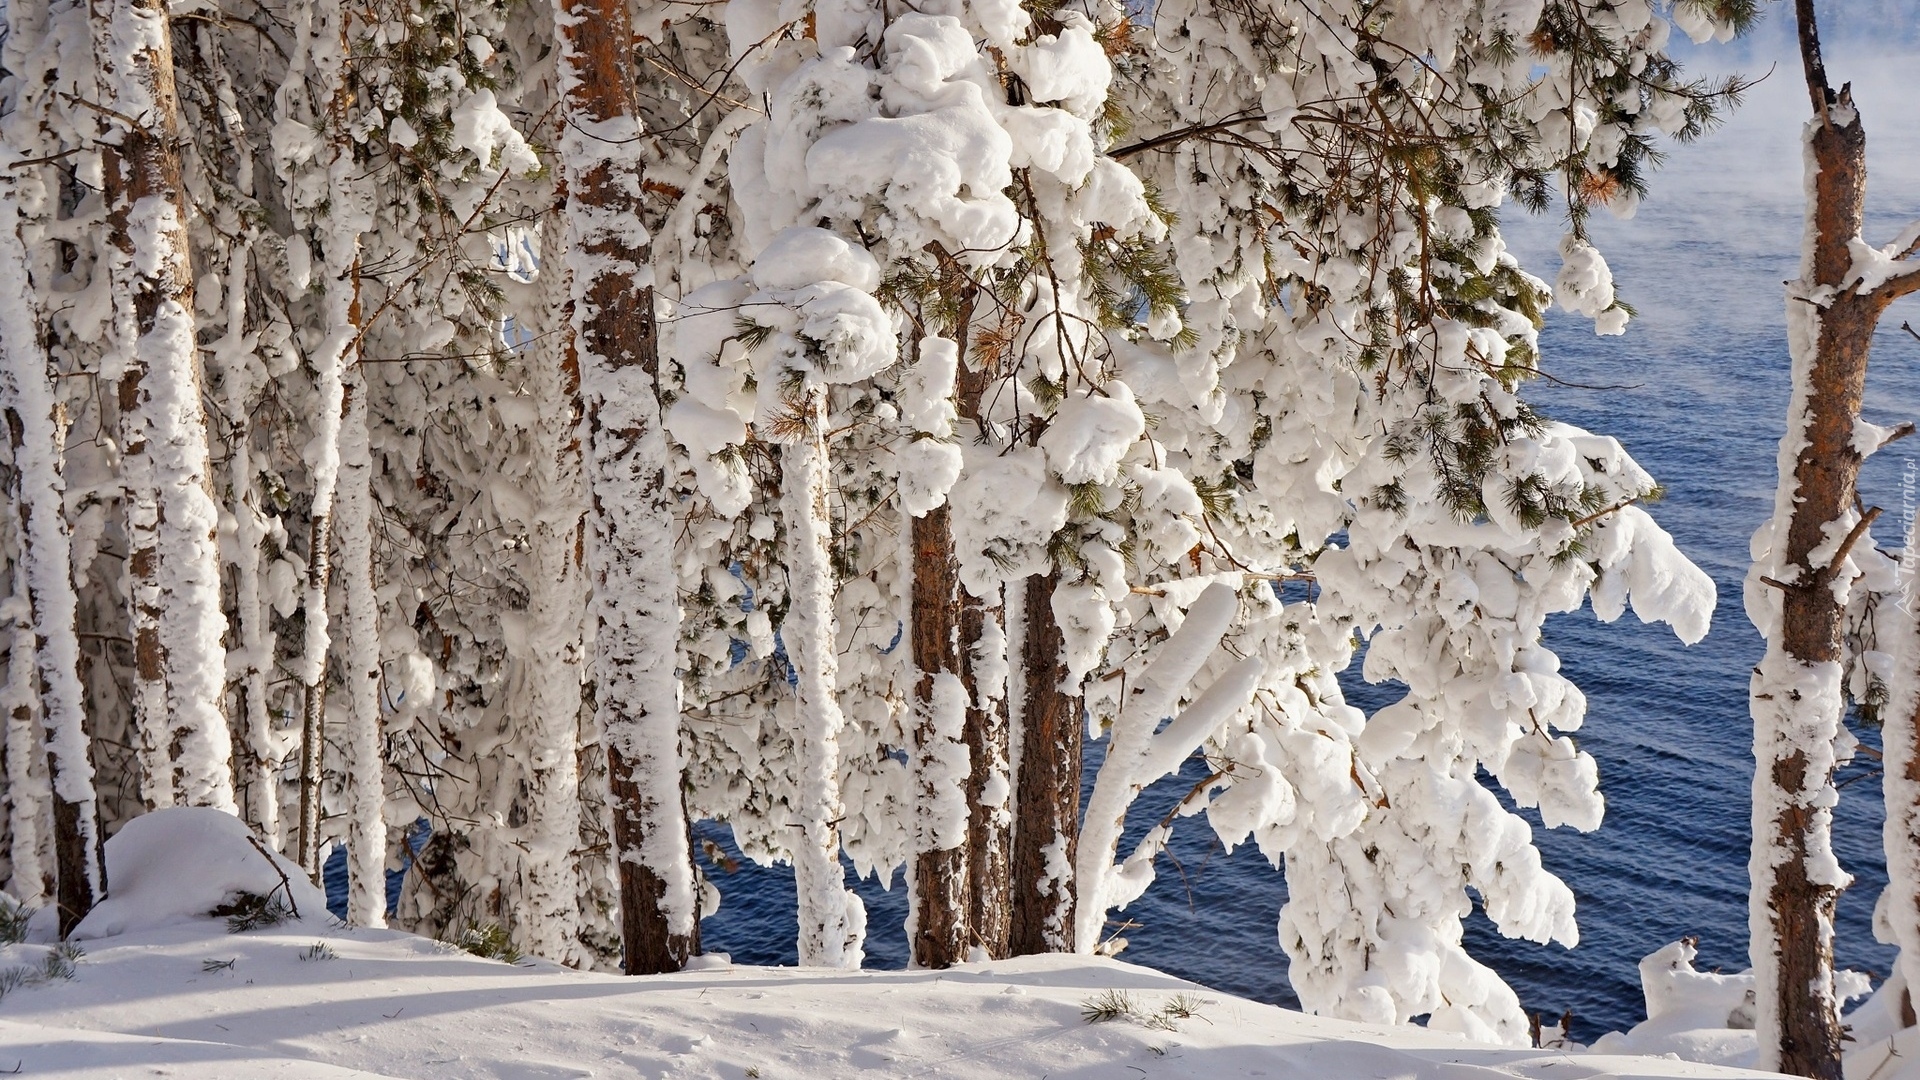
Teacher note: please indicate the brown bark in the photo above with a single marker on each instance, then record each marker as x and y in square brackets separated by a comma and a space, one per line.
[143, 164]
[1812, 628]
[941, 876]
[647, 945]
[1048, 790]
[989, 828]
[313, 713]
[614, 322]
[75, 893]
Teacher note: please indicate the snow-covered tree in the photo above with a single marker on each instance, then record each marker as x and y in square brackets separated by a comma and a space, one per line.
[1798, 590]
[908, 396]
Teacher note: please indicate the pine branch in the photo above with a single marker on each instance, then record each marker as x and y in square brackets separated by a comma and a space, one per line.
[1598, 514]
[1179, 135]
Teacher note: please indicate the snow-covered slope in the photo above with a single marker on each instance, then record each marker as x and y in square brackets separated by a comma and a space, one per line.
[392, 1005]
[165, 991]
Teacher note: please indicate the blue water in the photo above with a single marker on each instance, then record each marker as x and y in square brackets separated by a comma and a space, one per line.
[1702, 389]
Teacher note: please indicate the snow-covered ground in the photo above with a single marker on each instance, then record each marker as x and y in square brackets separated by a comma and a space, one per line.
[391, 1005]
[165, 990]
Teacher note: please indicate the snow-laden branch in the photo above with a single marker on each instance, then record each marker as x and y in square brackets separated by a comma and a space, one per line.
[1891, 272]
[1137, 755]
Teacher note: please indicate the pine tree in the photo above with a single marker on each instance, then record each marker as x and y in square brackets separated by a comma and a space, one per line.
[1796, 585]
[632, 550]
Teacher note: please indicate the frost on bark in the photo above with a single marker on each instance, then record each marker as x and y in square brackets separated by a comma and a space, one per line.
[46, 662]
[257, 766]
[940, 763]
[832, 919]
[348, 213]
[360, 661]
[1797, 591]
[631, 550]
[550, 655]
[173, 563]
[1140, 751]
[1048, 814]
[1898, 630]
[982, 655]
[26, 760]
[983, 675]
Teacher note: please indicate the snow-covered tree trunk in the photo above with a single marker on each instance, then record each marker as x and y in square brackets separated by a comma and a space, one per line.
[983, 676]
[833, 922]
[1047, 814]
[984, 673]
[36, 430]
[347, 214]
[360, 661]
[552, 653]
[27, 791]
[630, 553]
[1797, 590]
[258, 760]
[940, 753]
[1898, 630]
[173, 562]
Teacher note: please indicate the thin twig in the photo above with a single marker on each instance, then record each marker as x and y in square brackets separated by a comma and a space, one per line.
[284, 883]
[1598, 514]
[104, 111]
[49, 159]
[1183, 134]
[1859, 529]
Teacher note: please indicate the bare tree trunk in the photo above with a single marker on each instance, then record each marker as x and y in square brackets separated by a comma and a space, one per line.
[635, 603]
[173, 558]
[1046, 835]
[980, 651]
[941, 876]
[1797, 691]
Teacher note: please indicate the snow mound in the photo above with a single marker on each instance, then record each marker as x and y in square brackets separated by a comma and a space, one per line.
[1699, 1016]
[176, 865]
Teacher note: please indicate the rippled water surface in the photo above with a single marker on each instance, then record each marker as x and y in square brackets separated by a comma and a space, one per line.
[1698, 391]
